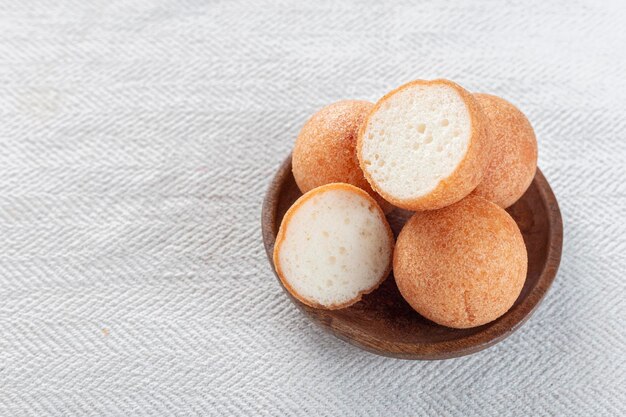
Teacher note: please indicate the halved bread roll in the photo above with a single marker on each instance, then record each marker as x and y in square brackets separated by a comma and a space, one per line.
[333, 246]
[325, 150]
[463, 265]
[423, 146]
[513, 161]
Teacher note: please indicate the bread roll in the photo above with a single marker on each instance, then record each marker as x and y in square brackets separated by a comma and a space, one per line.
[423, 146]
[513, 152]
[461, 266]
[325, 150]
[333, 246]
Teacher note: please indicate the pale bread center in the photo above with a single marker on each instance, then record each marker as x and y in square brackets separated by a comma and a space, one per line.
[415, 139]
[336, 246]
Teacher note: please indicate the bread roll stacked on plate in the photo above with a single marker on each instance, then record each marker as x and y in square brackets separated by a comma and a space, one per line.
[325, 150]
[455, 158]
[513, 156]
[424, 146]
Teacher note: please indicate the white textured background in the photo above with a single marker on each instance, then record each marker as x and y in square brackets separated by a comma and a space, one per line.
[137, 139]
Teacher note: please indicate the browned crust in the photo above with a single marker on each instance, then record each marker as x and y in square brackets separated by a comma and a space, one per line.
[325, 150]
[513, 151]
[467, 174]
[461, 266]
[280, 237]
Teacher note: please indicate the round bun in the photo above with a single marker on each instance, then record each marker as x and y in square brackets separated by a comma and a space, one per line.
[325, 150]
[513, 152]
[334, 245]
[461, 266]
[423, 146]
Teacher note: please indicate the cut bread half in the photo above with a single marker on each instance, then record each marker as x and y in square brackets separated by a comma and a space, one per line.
[334, 245]
[423, 146]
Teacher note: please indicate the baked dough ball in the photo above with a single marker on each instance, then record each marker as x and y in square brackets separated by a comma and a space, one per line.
[513, 152]
[325, 149]
[423, 146]
[333, 246]
[461, 266]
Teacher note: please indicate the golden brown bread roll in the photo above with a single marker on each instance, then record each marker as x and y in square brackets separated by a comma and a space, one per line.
[325, 149]
[513, 152]
[463, 265]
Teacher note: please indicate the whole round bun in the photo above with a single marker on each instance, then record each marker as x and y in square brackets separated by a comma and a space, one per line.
[461, 266]
[513, 152]
[325, 150]
[423, 146]
[334, 245]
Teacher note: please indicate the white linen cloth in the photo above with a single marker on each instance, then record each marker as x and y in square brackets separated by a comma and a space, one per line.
[137, 139]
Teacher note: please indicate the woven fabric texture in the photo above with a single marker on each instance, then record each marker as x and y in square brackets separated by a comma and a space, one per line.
[137, 140]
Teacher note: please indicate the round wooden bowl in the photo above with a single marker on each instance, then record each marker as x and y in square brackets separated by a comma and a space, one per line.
[383, 323]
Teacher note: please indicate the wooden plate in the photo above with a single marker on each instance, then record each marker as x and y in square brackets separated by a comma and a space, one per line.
[383, 323]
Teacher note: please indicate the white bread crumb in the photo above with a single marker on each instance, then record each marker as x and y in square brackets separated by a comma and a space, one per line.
[415, 139]
[336, 246]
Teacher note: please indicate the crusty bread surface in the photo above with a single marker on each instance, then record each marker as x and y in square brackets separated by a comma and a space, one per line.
[461, 266]
[513, 152]
[325, 150]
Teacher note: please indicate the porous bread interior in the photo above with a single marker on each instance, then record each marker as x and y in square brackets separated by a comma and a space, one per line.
[335, 247]
[415, 138]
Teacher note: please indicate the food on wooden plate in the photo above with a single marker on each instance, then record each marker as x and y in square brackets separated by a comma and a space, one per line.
[463, 265]
[423, 146]
[513, 152]
[333, 246]
[456, 158]
[325, 148]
